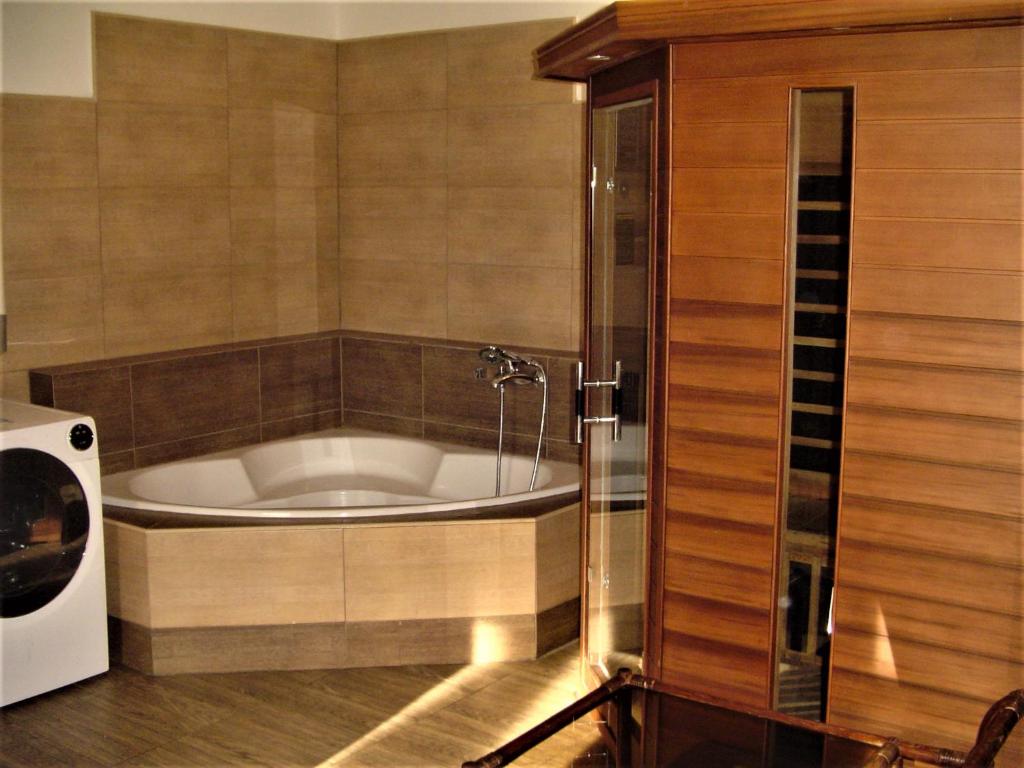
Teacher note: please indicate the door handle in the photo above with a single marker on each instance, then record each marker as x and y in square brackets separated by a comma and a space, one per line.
[582, 385]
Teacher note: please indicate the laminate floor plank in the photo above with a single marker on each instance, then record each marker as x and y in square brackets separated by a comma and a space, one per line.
[399, 717]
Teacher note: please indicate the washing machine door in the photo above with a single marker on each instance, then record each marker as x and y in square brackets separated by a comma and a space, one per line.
[44, 525]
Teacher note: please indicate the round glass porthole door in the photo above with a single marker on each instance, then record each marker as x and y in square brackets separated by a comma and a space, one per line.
[44, 524]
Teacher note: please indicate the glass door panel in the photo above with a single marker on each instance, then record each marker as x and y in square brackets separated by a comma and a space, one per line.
[822, 145]
[617, 368]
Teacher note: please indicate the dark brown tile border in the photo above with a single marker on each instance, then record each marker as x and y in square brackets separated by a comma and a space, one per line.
[174, 400]
[382, 377]
[181, 403]
[148, 455]
[91, 365]
[557, 626]
[299, 425]
[338, 645]
[121, 461]
[299, 379]
[391, 424]
[130, 644]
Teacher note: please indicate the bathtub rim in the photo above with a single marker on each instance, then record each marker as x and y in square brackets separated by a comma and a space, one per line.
[148, 514]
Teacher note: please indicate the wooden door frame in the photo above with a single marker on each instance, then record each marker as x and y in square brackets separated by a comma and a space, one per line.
[644, 77]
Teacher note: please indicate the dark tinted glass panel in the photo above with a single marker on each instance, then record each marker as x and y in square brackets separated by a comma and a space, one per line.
[799, 594]
[823, 188]
[686, 734]
[821, 256]
[817, 425]
[821, 325]
[823, 222]
[44, 525]
[817, 392]
[822, 359]
[813, 291]
[814, 459]
[824, 601]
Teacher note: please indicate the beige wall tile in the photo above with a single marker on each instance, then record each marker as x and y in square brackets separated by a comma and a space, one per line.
[14, 385]
[579, 227]
[49, 232]
[528, 146]
[393, 223]
[392, 149]
[328, 264]
[167, 310]
[575, 328]
[492, 66]
[327, 223]
[153, 230]
[328, 305]
[405, 72]
[558, 557]
[439, 571]
[146, 145]
[281, 72]
[239, 577]
[48, 323]
[511, 226]
[48, 142]
[274, 225]
[275, 299]
[394, 297]
[510, 305]
[283, 148]
[143, 60]
[127, 570]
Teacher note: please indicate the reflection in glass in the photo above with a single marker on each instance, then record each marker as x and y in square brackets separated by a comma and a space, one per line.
[621, 205]
[44, 526]
[819, 265]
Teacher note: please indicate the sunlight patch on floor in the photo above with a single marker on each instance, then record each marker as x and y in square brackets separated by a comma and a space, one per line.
[546, 696]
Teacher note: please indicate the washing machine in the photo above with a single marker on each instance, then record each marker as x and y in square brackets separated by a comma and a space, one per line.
[53, 613]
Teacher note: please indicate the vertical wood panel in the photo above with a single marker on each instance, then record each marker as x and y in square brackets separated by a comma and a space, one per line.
[931, 531]
[729, 197]
[931, 535]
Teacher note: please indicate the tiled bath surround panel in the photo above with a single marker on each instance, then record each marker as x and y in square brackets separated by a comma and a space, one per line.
[342, 595]
[172, 405]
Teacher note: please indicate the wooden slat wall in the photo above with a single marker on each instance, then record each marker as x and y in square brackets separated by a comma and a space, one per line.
[728, 227]
[931, 553]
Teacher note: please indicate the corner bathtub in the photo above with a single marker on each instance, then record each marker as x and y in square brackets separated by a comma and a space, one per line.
[341, 473]
[343, 548]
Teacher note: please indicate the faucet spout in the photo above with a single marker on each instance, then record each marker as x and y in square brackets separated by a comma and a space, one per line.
[533, 377]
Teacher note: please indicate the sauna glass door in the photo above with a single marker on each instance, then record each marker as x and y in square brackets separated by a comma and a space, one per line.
[821, 176]
[617, 373]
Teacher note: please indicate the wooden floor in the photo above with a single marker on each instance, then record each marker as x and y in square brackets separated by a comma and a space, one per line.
[395, 717]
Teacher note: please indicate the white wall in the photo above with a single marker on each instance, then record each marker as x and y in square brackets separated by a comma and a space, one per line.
[47, 46]
[367, 19]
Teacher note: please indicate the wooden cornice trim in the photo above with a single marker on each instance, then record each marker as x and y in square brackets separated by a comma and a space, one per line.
[625, 30]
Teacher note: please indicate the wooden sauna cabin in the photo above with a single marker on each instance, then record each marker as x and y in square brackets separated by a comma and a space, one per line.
[830, 356]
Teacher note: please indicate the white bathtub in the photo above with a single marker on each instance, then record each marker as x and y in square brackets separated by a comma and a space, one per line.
[339, 473]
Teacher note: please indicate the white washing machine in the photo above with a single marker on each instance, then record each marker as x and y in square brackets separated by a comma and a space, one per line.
[53, 612]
